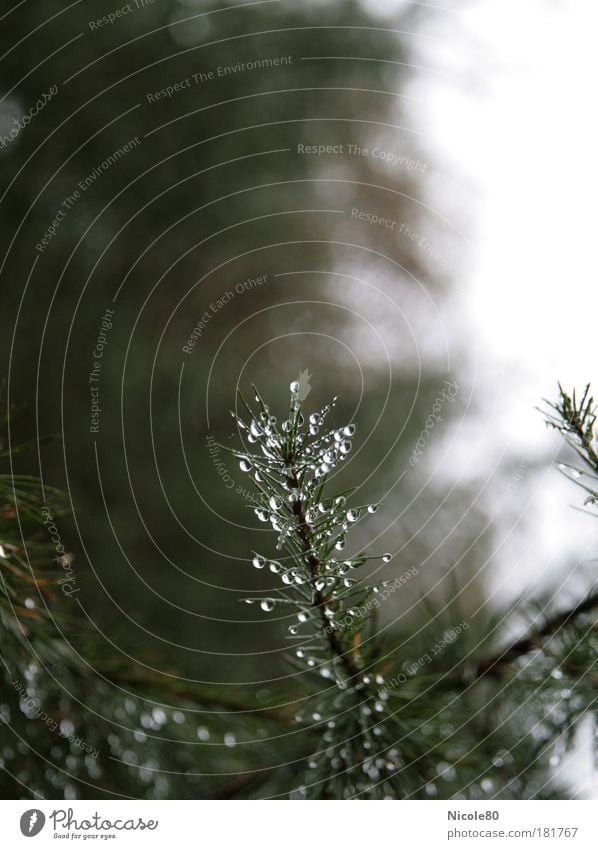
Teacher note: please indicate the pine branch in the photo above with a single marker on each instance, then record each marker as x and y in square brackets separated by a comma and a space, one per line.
[291, 475]
[534, 639]
[575, 418]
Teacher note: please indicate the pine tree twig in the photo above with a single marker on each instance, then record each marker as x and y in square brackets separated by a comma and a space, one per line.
[290, 463]
[533, 640]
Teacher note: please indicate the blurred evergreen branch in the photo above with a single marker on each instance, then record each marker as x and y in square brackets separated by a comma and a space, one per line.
[78, 719]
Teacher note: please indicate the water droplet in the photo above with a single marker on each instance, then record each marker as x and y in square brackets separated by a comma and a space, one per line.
[372, 508]
[300, 653]
[261, 514]
[203, 733]
[230, 740]
[302, 616]
[158, 716]
[314, 419]
[352, 515]
[557, 674]
[254, 429]
[294, 387]
[349, 430]
[320, 584]
[340, 544]
[287, 426]
[258, 562]
[387, 558]
[267, 605]
[345, 447]
[245, 465]
[316, 716]
[286, 579]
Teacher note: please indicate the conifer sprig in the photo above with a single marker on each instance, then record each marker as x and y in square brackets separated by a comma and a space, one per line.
[575, 418]
[291, 464]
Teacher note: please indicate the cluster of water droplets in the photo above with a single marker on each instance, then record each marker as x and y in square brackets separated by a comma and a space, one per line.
[290, 464]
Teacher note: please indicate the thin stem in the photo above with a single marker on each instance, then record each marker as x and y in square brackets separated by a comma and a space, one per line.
[320, 600]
